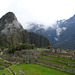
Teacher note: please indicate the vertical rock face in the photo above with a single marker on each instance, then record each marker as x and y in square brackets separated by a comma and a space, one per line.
[9, 24]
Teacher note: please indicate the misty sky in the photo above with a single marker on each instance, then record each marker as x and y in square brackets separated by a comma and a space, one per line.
[38, 11]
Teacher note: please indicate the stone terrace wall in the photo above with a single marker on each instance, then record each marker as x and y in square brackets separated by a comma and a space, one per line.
[27, 53]
[31, 56]
[55, 66]
[59, 54]
[17, 60]
[65, 62]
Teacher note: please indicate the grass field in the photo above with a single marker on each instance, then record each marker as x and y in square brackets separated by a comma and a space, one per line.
[33, 69]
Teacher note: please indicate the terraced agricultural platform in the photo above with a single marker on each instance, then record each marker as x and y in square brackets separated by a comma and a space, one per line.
[60, 61]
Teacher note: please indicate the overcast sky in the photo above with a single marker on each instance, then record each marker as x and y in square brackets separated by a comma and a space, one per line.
[39, 11]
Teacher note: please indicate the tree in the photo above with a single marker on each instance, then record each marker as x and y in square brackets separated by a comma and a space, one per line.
[32, 46]
[20, 47]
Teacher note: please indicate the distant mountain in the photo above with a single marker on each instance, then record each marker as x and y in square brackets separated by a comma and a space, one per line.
[12, 33]
[66, 39]
[61, 36]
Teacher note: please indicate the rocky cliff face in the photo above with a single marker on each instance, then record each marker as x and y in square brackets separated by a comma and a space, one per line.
[11, 29]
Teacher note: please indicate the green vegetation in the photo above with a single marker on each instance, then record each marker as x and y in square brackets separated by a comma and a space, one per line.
[24, 46]
[20, 47]
[39, 40]
[2, 42]
[33, 69]
[2, 66]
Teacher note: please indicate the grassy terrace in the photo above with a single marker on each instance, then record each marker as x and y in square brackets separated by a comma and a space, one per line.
[3, 64]
[6, 72]
[6, 55]
[33, 69]
[1, 60]
[15, 57]
[65, 65]
[42, 49]
[22, 58]
[56, 58]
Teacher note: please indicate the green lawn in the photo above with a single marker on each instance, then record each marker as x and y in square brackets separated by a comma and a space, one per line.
[42, 49]
[33, 69]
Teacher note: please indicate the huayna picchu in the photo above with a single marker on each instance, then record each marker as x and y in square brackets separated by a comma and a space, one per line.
[12, 33]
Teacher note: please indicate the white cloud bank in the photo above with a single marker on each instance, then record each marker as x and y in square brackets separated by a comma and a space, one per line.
[40, 11]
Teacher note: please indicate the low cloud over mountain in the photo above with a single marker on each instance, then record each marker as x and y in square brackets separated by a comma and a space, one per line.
[61, 34]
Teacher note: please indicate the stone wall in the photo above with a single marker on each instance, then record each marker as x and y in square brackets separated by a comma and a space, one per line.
[17, 60]
[54, 66]
[50, 64]
[65, 62]
[24, 53]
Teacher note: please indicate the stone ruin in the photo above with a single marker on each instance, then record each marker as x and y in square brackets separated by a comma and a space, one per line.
[31, 56]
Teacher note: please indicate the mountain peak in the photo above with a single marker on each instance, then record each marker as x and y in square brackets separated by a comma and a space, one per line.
[9, 23]
[11, 13]
[8, 17]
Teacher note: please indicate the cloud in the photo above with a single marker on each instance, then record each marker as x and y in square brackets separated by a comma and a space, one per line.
[59, 30]
[56, 38]
[64, 28]
[40, 11]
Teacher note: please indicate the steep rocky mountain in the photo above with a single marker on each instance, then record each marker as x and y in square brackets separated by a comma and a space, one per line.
[12, 32]
[62, 35]
[11, 29]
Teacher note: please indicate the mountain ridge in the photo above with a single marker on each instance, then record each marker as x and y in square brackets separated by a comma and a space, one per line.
[62, 36]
